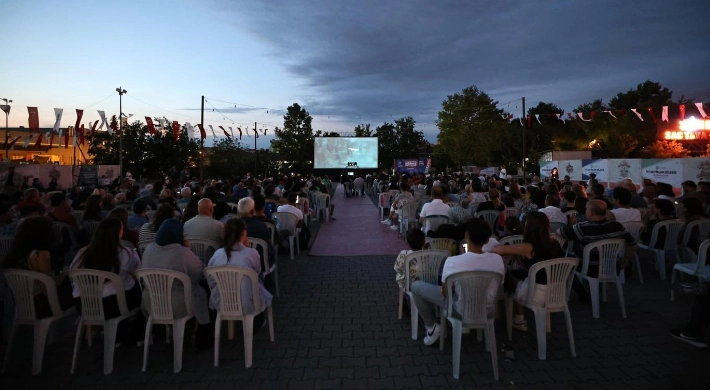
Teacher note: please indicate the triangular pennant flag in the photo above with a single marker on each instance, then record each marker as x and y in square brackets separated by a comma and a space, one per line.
[225, 132]
[190, 130]
[702, 111]
[33, 119]
[231, 131]
[102, 115]
[592, 114]
[581, 116]
[28, 139]
[11, 145]
[93, 128]
[611, 113]
[151, 125]
[212, 129]
[537, 116]
[114, 125]
[265, 130]
[650, 110]
[637, 114]
[240, 132]
[521, 122]
[681, 111]
[664, 114]
[176, 129]
[39, 141]
[203, 134]
[79, 114]
[256, 132]
[559, 116]
[162, 125]
[569, 115]
[58, 118]
[510, 117]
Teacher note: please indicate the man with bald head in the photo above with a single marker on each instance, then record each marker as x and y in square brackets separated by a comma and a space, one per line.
[203, 226]
[597, 227]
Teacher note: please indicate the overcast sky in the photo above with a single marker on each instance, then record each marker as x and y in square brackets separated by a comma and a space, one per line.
[346, 62]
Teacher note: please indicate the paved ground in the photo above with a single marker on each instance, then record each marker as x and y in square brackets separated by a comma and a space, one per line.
[336, 327]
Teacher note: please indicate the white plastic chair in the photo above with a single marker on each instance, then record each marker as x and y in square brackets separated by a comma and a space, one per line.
[394, 193]
[90, 227]
[5, 242]
[301, 205]
[142, 245]
[445, 244]
[385, 201]
[322, 206]
[159, 284]
[266, 269]
[90, 284]
[473, 289]
[634, 228]
[408, 216]
[510, 212]
[204, 249]
[22, 283]
[233, 207]
[288, 221]
[428, 264]
[609, 252]
[672, 227]
[570, 214]
[490, 216]
[555, 226]
[512, 240]
[559, 285]
[702, 226]
[229, 281]
[434, 221]
[696, 269]
[79, 215]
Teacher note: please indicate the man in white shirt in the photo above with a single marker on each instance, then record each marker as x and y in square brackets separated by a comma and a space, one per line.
[553, 211]
[435, 207]
[291, 208]
[622, 211]
[428, 296]
[203, 226]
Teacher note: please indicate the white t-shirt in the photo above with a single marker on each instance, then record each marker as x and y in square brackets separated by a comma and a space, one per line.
[626, 215]
[474, 262]
[287, 208]
[435, 207]
[554, 214]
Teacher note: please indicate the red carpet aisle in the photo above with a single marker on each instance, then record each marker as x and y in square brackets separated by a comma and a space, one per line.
[357, 230]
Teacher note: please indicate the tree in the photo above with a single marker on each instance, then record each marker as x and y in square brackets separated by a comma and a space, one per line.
[363, 130]
[295, 142]
[228, 157]
[386, 145]
[320, 133]
[470, 128]
[665, 149]
[410, 142]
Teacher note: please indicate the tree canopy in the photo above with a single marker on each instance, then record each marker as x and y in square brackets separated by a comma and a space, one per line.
[295, 141]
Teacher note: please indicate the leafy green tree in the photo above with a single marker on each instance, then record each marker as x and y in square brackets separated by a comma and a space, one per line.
[228, 157]
[320, 133]
[410, 142]
[363, 130]
[471, 128]
[295, 142]
[665, 149]
[386, 145]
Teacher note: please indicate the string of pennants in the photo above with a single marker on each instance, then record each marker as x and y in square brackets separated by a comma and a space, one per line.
[592, 114]
[80, 131]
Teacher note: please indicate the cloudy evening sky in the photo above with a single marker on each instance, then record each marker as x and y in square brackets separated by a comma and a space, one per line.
[347, 62]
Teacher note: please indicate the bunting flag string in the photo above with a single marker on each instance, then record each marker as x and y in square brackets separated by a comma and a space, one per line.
[203, 134]
[190, 129]
[151, 125]
[58, 118]
[611, 113]
[33, 119]
[79, 114]
[701, 110]
[664, 114]
[637, 114]
[225, 132]
[213, 133]
[102, 115]
[176, 129]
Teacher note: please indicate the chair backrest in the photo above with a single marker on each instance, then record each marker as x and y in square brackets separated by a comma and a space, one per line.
[512, 240]
[435, 221]
[409, 210]
[394, 193]
[79, 215]
[702, 226]
[571, 213]
[63, 235]
[323, 200]
[233, 207]
[472, 290]
[90, 227]
[229, 280]
[257, 242]
[510, 212]
[142, 245]
[385, 199]
[555, 226]
[5, 242]
[428, 265]
[151, 214]
[90, 284]
[159, 283]
[609, 252]
[560, 240]
[672, 227]
[302, 206]
[22, 283]
[272, 231]
[446, 244]
[634, 228]
[702, 257]
[490, 216]
[560, 273]
[286, 221]
[204, 249]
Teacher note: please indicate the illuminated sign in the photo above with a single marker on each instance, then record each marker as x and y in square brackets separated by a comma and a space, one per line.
[692, 124]
[679, 135]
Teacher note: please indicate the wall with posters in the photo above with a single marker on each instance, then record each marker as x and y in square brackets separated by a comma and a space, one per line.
[624, 168]
[597, 167]
[63, 173]
[412, 165]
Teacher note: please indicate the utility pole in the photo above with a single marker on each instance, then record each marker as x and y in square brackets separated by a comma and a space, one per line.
[6, 109]
[202, 141]
[525, 124]
[120, 91]
[256, 157]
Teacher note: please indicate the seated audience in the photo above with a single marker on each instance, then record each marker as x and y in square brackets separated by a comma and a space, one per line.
[622, 211]
[435, 207]
[661, 210]
[148, 231]
[415, 239]
[203, 225]
[93, 210]
[692, 211]
[140, 215]
[129, 235]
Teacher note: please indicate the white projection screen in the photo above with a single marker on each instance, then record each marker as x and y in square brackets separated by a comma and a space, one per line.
[337, 152]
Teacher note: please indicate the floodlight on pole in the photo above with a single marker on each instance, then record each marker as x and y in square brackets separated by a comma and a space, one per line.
[121, 92]
[6, 109]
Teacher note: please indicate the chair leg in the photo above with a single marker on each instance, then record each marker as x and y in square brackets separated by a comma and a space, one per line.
[291, 242]
[491, 342]
[10, 340]
[230, 329]
[217, 331]
[276, 281]
[178, 337]
[77, 343]
[673, 276]
[661, 260]
[248, 330]
[622, 301]
[401, 304]
[456, 347]
[146, 341]
[110, 329]
[570, 332]
[604, 291]
[509, 317]
[270, 310]
[594, 292]
[414, 317]
[40, 339]
[637, 265]
[540, 320]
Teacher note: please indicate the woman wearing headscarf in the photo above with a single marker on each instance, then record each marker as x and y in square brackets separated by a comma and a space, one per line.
[170, 251]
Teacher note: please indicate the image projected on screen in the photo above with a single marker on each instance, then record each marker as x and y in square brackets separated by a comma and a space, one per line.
[337, 152]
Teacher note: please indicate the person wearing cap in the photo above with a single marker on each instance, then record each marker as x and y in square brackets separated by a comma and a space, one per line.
[204, 226]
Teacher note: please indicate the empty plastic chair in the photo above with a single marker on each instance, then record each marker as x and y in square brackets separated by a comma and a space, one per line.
[696, 269]
[289, 222]
[672, 227]
[609, 253]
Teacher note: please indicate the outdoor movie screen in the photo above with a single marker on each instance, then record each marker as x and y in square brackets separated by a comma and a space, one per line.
[337, 152]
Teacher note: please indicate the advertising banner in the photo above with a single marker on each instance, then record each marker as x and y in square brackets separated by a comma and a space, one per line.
[598, 167]
[621, 169]
[571, 168]
[411, 165]
[62, 174]
[546, 168]
[696, 169]
[667, 171]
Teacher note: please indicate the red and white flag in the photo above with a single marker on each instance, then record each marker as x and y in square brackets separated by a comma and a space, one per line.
[176, 129]
[611, 113]
[102, 115]
[537, 116]
[581, 116]
[681, 111]
[559, 117]
[700, 108]
[58, 118]
[225, 132]
[33, 119]
[203, 134]
[79, 114]
[190, 130]
[213, 133]
[664, 114]
[163, 125]
[637, 114]
[151, 126]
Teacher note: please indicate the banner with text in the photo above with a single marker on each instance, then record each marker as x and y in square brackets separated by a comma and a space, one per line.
[620, 169]
[597, 167]
[571, 168]
[667, 171]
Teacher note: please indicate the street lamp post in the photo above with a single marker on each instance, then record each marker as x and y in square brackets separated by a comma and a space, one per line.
[6, 109]
[120, 127]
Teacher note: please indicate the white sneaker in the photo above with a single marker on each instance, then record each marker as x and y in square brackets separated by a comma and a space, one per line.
[432, 335]
[387, 222]
[394, 227]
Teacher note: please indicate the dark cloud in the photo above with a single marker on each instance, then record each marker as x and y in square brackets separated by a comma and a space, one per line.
[375, 60]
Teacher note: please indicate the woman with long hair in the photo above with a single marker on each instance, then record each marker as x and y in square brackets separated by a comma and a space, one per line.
[93, 210]
[31, 250]
[129, 235]
[236, 252]
[190, 211]
[149, 230]
[105, 253]
[537, 246]
[494, 202]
